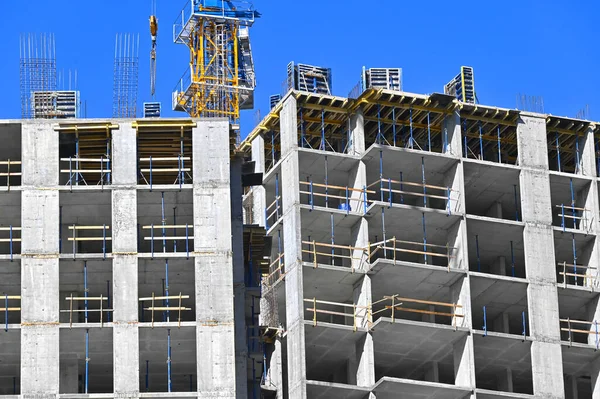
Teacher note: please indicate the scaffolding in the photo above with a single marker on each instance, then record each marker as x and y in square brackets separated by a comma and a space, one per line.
[37, 72]
[220, 79]
[126, 69]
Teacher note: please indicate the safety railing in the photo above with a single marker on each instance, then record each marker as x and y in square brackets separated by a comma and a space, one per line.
[164, 307]
[276, 271]
[343, 197]
[337, 313]
[163, 168]
[86, 300]
[14, 236]
[577, 218]
[273, 212]
[181, 232]
[75, 238]
[393, 249]
[344, 254]
[13, 169]
[485, 325]
[8, 307]
[567, 270]
[82, 170]
[391, 305]
[572, 326]
[394, 192]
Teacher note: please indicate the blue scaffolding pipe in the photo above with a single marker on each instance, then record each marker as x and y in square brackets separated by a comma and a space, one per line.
[484, 322]
[480, 141]
[77, 164]
[167, 287]
[85, 291]
[423, 179]
[87, 358]
[577, 152]
[411, 129]
[169, 382]
[424, 238]
[332, 240]
[465, 138]
[163, 221]
[512, 256]
[428, 133]
[383, 231]
[499, 152]
[524, 325]
[379, 135]
[394, 124]
[174, 228]
[311, 199]
[477, 249]
[108, 159]
[365, 199]
[381, 175]
[448, 207]
[390, 193]
[557, 151]
[574, 259]
[147, 376]
[326, 183]
[104, 241]
[516, 204]
[322, 145]
[573, 211]
[150, 172]
[273, 148]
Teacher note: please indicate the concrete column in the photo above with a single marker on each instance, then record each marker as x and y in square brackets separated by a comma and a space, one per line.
[40, 263]
[495, 210]
[540, 264]
[275, 371]
[587, 151]
[464, 357]
[452, 128]
[595, 379]
[499, 266]
[215, 340]
[571, 387]
[357, 131]
[501, 323]
[294, 287]
[239, 285]
[457, 239]
[259, 200]
[432, 372]
[363, 366]
[455, 180]
[126, 364]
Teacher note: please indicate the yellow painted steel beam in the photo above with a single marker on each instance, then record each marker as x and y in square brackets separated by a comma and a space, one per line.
[73, 127]
[163, 123]
[503, 122]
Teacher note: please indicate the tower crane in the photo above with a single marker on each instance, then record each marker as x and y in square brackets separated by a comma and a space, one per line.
[220, 79]
[153, 34]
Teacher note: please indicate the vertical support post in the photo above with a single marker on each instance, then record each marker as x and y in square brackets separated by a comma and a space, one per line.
[573, 211]
[302, 127]
[379, 135]
[484, 322]
[575, 260]
[87, 359]
[480, 141]
[557, 152]
[167, 289]
[6, 312]
[390, 192]
[516, 204]
[394, 124]
[74, 241]
[499, 151]
[108, 305]
[445, 139]
[163, 221]
[383, 232]
[424, 183]
[365, 199]
[10, 229]
[326, 183]
[424, 237]
[411, 129]
[428, 133]
[312, 198]
[466, 152]
[104, 241]
[147, 376]
[152, 241]
[577, 158]
[85, 291]
[187, 242]
[524, 325]
[401, 189]
[174, 228]
[332, 240]
[169, 381]
[381, 175]
[322, 145]
[60, 229]
[277, 195]
[150, 172]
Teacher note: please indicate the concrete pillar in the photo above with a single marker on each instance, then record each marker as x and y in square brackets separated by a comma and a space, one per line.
[571, 387]
[126, 364]
[294, 287]
[464, 357]
[495, 210]
[239, 286]
[357, 129]
[452, 129]
[457, 239]
[363, 370]
[595, 379]
[215, 340]
[360, 231]
[275, 372]
[501, 323]
[540, 264]
[455, 180]
[587, 151]
[39, 263]
[259, 201]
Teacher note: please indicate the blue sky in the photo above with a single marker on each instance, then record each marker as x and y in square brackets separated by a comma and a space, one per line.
[540, 48]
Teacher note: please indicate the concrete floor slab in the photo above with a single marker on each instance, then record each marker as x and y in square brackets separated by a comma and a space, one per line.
[330, 390]
[389, 388]
[329, 283]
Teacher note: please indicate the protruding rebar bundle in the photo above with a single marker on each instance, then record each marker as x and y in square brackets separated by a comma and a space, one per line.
[37, 67]
[126, 69]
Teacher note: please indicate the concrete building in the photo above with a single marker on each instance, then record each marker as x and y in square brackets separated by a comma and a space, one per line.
[126, 270]
[427, 248]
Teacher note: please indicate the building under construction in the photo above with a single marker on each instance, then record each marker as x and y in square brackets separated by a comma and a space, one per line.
[426, 247]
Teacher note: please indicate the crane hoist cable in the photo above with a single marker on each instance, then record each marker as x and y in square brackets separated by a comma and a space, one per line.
[153, 34]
